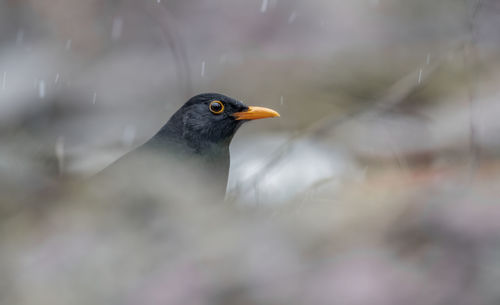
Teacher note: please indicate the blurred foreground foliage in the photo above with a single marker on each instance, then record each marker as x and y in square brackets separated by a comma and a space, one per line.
[378, 185]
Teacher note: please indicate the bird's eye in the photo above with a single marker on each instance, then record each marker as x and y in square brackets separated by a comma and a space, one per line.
[216, 107]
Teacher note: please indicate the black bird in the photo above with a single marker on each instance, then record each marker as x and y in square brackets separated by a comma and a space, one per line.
[190, 154]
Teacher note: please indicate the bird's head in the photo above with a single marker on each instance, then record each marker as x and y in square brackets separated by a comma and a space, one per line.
[213, 118]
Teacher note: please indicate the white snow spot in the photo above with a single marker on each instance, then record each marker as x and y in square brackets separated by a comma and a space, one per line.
[281, 100]
[94, 99]
[292, 17]
[56, 80]
[128, 135]
[41, 89]
[203, 69]
[420, 76]
[263, 6]
[307, 167]
[116, 29]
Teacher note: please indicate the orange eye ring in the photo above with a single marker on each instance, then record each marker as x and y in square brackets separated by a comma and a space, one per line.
[216, 107]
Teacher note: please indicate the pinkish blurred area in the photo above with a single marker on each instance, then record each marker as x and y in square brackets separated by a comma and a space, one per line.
[379, 184]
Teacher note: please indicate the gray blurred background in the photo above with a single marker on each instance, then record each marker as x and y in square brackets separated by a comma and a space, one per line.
[379, 184]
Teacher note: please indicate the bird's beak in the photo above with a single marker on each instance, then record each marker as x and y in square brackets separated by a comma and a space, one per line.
[254, 113]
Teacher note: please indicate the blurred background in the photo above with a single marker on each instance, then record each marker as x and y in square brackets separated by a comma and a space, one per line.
[379, 184]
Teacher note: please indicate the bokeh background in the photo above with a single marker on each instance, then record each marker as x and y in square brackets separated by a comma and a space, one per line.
[379, 184]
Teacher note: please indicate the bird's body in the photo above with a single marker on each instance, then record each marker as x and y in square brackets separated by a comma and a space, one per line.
[189, 157]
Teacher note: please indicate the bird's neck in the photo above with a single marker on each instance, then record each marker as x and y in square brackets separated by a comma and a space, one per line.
[209, 160]
[175, 138]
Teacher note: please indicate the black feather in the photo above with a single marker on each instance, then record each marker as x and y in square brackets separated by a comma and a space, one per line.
[190, 153]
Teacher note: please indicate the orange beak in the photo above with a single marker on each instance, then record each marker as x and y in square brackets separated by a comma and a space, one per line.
[254, 113]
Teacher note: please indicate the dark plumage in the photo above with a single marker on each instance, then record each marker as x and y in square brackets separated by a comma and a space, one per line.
[190, 153]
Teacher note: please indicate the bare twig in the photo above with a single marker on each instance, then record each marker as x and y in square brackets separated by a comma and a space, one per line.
[397, 93]
[470, 62]
[173, 41]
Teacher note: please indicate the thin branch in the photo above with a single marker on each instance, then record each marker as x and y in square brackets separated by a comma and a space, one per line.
[470, 62]
[173, 41]
[396, 94]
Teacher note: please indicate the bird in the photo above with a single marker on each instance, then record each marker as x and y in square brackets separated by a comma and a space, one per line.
[189, 156]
